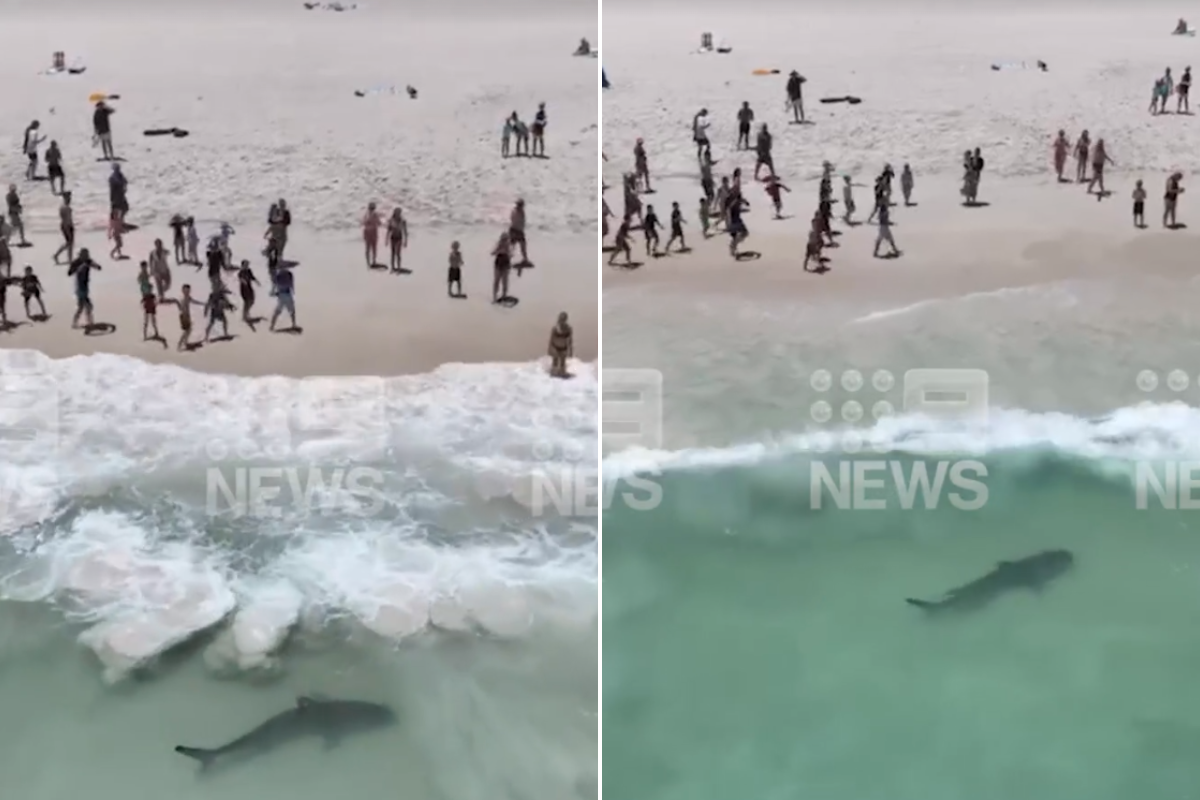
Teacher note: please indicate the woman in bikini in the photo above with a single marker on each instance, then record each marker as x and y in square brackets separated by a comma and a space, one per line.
[1099, 159]
[397, 230]
[1061, 148]
[370, 231]
[1082, 148]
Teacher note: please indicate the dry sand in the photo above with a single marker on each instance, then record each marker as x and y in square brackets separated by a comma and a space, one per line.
[267, 95]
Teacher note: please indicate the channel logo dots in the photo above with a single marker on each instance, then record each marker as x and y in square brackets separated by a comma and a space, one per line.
[852, 411]
[1177, 380]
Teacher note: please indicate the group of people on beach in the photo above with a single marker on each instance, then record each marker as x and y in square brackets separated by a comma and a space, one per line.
[1165, 87]
[529, 139]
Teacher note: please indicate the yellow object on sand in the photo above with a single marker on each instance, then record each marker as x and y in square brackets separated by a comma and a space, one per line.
[765, 72]
[96, 97]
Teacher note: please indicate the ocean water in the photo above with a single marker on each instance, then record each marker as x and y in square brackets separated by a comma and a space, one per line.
[407, 555]
[757, 642]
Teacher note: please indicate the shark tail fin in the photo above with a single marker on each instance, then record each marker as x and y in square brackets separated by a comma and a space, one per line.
[205, 757]
[924, 604]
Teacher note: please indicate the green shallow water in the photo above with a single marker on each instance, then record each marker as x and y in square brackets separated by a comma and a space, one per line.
[756, 648]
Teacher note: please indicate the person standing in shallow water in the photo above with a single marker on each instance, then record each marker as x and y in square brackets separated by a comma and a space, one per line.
[561, 347]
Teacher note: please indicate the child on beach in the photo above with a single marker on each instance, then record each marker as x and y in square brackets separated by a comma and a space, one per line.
[116, 232]
[31, 291]
[218, 303]
[906, 183]
[184, 303]
[1139, 205]
[454, 272]
[676, 229]
[774, 187]
[704, 217]
[149, 304]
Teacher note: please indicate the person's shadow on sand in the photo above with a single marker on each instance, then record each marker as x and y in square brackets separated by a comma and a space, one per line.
[160, 339]
[508, 301]
[39, 317]
[748, 255]
[377, 267]
[821, 268]
[99, 329]
[1178, 226]
[294, 330]
[228, 337]
[976, 204]
[628, 265]
[9, 325]
[457, 296]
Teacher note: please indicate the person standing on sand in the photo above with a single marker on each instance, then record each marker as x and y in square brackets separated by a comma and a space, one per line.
[149, 304]
[193, 241]
[501, 264]
[246, 284]
[521, 133]
[884, 234]
[1185, 86]
[30, 149]
[454, 272]
[284, 290]
[279, 219]
[977, 172]
[738, 232]
[5, 253]
[650, 226]
[516, 234]
[66, 225]
[1099, 159]
[538, 130]
[218, 303]
[745, 117]
[795, 96]
[705, 214]
[561, 347]
[81, 269]
[102, 130]
[847, 200]
[506, 136]
[370, 233]
[700, 132]
[160, 269]
[1061, 147]
[707, 184]
[762, 150]
[633, 203]
[118, 187]
[1139, 206]
[641, 166]
[16, 213]
[397, 231]
[1171, 200]
[178, 239]
[907, 183]
[54, 169]
[1082, 148]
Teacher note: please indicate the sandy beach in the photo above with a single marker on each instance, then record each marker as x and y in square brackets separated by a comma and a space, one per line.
[278, 118]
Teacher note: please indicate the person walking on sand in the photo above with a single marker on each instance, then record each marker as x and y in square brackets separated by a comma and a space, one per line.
[81, 269]
[30, 149]
[116, 234]
[745, 118]
[246, 284]
[622, 243]
[906, 182]
[884, 234]
[1082, 148]
[31, 292]
[561, 347]
[501, 264]
[118, 188]
[1099, 159]
[370, 233]
[1061, 148]
[775, 188]
[1171, 200]
[54, 168]
[848, 206]
[279, 219]
[707, 184]
[160, 269]
[633, 203]
[16, 215]
[641, 166]
[676, 229]
[215, 310]
[738, 232]
[1185, 86]
[6, 258]
[650, 228]
[700, 132]
[149, 304]
[102, 130]
[516, 234]
[397, 231]
[66, 226]
[762, 149]
[184, 303]
[1139, 206]
[284, 291]
[795, 96]
[454, 272]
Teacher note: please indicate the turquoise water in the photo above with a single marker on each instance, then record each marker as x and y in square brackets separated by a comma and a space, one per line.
[755, 647]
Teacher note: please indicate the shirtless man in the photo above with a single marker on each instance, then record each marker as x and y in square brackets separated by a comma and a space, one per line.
[700, 132]
[621, 244]
[218, 303]
[561, 347]
[762, 150]
[1061, 148]
[745, 118]
[66, 225]
[81, 269]
[30, 148]
[884, 233]
[54, 169]
[707, 184]
[184, 303]
[516, 234]
[650, 226]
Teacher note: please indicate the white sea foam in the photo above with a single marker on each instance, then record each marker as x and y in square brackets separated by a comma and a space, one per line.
[147, 578]
[1146, 432]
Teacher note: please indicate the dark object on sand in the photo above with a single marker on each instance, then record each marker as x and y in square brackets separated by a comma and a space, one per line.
[357, 93]
[1041, 65]
[847, 99]
[412, 93]
[724, 50]
[178, 133]
[76, 70]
